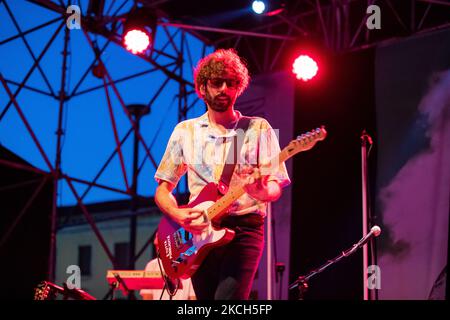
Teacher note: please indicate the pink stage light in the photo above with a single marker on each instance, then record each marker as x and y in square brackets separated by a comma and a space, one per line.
[305, 68]
[136, 41]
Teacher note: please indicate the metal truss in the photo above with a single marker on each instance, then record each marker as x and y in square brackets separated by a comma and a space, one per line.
[338, 26]
[107, 27]
[334, 25]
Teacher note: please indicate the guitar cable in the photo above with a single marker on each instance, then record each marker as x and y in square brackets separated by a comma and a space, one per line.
[168, 286]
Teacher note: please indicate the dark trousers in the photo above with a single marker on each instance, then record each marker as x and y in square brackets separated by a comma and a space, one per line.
[228, 271]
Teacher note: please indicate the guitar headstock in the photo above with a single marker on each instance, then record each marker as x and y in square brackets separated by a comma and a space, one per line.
[306, 141]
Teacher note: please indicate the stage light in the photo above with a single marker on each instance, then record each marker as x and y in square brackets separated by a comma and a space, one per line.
[305, 68]
[139, 31]
[136, 40]
[258, 6]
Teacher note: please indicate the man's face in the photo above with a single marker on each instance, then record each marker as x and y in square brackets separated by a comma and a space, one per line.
[220, 93]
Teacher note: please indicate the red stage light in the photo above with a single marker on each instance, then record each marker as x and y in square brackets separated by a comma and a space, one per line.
[136, 41]
[305, 68]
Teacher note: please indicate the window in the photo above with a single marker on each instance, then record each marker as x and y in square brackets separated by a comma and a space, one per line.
[121, 253]
[84, 260]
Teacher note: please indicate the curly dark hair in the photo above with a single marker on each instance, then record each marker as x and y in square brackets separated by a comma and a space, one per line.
[214, 65]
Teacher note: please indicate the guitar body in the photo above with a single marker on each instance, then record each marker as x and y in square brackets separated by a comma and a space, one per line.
[182, 252]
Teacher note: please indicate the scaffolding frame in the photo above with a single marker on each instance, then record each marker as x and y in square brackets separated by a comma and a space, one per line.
[172, 71]
[329, 20]
[338, 26]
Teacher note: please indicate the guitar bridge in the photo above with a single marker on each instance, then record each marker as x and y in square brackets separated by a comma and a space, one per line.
[182, 258]
[189, 252]
[181, 237]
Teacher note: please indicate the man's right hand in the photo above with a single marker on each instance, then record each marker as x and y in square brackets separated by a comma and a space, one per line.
[191, 219]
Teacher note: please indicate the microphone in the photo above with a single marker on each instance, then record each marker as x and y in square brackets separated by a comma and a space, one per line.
[374, 232]
[302, 281]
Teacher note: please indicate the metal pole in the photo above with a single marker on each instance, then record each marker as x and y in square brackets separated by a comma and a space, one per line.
[133, 222]
[222, 30]
[116, 134]
[182, 111]
[133, 219]
[57, 171]
[137, 111]
[269, 251]
[91, 184]
[365, 140]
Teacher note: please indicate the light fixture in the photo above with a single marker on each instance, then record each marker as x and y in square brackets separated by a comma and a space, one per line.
[305, 68]
[259, 6]
[139, 31]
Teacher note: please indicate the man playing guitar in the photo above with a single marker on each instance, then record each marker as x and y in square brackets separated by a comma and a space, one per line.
[201, 148]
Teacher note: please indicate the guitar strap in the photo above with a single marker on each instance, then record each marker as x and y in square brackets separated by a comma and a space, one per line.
[232, 157]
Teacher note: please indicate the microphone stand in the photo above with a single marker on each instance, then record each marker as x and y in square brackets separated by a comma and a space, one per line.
[111, 292]
[369, 252]
[302, 281]
[128, 292]
[115, 285]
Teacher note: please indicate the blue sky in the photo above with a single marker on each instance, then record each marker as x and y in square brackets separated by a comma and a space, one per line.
[88, 135]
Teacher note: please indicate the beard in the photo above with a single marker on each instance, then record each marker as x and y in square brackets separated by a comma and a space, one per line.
[219, 103]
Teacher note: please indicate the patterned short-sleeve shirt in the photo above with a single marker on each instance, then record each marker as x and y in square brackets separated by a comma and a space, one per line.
[201, 150]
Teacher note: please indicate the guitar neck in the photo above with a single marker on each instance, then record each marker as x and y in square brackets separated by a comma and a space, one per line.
[220, 206]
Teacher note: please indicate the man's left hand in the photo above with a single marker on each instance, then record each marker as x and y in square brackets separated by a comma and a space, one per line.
[255, 184]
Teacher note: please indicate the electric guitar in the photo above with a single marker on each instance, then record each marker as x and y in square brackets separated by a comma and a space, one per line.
[182, 252]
